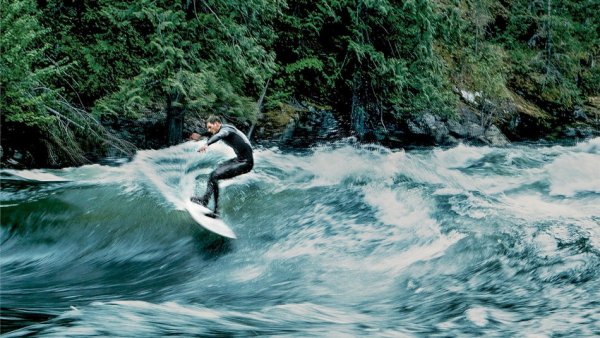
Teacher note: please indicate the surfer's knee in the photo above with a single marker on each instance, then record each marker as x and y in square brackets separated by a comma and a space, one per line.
[221, 172]
[249, 166]
[214, 176]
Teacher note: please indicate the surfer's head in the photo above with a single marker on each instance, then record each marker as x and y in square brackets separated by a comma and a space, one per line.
[213, 124]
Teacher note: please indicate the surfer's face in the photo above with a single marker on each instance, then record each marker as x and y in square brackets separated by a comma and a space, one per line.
[213, 127]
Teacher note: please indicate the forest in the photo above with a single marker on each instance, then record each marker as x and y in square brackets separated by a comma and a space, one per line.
[75, 73]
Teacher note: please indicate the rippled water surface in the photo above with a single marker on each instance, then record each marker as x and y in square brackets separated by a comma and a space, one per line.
[339, 240]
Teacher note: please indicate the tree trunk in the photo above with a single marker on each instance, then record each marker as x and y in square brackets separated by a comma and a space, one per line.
[549, 38]
[259, 108]
[358, 115]
[174, 123]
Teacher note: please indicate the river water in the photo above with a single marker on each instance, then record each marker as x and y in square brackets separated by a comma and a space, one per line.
[338, 240]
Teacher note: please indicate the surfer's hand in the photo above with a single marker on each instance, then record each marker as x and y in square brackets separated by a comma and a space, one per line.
[203, 148]
[195, 136]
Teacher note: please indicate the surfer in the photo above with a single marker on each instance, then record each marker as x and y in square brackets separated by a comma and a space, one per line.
[241, 164]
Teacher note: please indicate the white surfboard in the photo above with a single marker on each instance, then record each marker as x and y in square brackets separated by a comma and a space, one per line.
[215, 225]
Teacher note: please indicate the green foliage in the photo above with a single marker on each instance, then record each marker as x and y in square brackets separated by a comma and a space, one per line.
[554, 49]
[24, 94]
[306, 63]
[375, 62]
[479, 66]
[32, 106]
[199, 58]
[430, 88]
[377, 52]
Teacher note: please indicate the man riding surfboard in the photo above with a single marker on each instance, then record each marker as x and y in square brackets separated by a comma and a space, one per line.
[241, 164]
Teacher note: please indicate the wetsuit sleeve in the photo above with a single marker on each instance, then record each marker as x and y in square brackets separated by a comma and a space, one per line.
[218, 136]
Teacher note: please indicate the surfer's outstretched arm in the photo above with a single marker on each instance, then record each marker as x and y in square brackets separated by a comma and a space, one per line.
[223, 132]
[196, 137]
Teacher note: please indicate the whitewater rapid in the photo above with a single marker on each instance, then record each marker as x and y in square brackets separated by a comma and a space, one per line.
[342, 239]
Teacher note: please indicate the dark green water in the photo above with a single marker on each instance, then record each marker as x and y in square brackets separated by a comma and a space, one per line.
[341, 240]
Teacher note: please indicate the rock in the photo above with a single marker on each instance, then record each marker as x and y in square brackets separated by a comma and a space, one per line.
[429, 129]
[465, 128]
[580, 114]
[193, 123]
[456, 128]
[468, 115]
[440, 133]
[288, 132]
[415, 129]
[469, 97]
[571, 132]
[329, 126]
[474, 130]
[314, 126]
[451, 141]
[429, 121]
[580, 130]
[298, 125]
[495, 138]
[145, 133]
[589, 132]
[423, 125]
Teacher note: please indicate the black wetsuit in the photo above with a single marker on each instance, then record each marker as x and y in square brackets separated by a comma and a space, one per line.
[242, 164]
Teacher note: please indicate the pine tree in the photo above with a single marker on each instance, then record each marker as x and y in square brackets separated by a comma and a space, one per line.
[197, 61]
[36, 115]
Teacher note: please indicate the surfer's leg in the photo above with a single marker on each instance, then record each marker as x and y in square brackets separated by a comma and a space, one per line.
[212, 185]
[227, 170]
[231, 169]
[210, 188]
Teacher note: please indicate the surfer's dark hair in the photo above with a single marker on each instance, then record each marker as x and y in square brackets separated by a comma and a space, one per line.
[213, 119]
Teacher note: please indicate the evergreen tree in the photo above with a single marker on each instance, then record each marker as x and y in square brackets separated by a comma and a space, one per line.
[35, 113]
[376, 63]
[552, 45]
[374, 60]
[196, 61]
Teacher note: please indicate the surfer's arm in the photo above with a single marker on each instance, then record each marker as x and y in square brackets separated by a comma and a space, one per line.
[216, 137]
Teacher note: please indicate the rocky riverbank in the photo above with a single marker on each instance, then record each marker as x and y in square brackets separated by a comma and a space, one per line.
[304, 123]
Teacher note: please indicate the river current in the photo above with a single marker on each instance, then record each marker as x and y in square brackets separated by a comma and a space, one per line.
[338, 240]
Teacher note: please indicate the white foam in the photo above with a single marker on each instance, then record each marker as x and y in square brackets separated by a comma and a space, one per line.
[167, 170]
[397, 262]
[35, 175]
[459, 156]
[534, 206]
[406, 209]
[168, 192]
[330, 167]
[591, 146]
[478, 316]
[574, 172]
